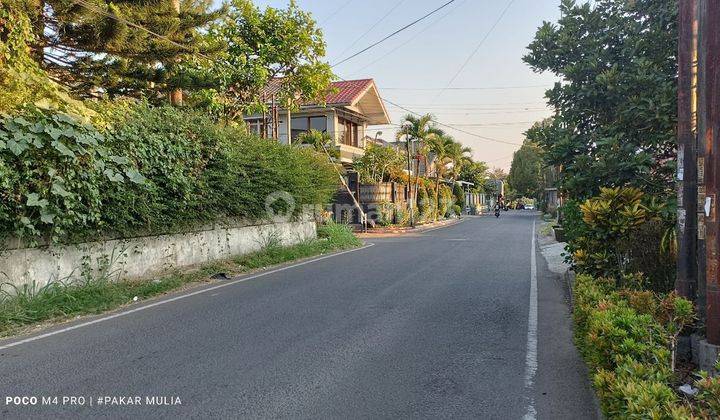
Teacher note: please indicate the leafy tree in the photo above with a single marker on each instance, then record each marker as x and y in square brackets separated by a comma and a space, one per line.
[498, 174]
[525, 176]
[475, 172]
[616, 107]
[22, 80]
[378, 164]
[282, 46]
[96, 47]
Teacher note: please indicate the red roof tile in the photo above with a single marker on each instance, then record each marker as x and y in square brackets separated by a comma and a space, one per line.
[347, 91]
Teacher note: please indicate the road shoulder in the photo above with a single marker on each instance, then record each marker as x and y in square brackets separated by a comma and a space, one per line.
[562, 385]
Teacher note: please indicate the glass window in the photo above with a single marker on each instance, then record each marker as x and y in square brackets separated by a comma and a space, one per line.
[300, 124]
[318, 123]
[303, 124]
[254, 125]
[341, 131]
[349, 133]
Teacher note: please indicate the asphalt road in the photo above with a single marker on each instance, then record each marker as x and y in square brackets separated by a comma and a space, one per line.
[437, 325]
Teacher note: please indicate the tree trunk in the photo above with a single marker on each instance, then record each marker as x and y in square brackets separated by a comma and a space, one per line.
[176, 95]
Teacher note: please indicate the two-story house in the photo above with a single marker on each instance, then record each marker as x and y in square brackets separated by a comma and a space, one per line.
[348, 112]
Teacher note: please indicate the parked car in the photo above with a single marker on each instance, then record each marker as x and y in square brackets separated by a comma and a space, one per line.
[530, 207]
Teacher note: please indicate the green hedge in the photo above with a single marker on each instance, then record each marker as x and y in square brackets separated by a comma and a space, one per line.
[624, 337]
[145, 170]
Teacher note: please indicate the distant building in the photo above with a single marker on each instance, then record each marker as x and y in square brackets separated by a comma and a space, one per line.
[346, 116]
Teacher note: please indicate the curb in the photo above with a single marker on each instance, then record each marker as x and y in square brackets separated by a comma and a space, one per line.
[406, 230]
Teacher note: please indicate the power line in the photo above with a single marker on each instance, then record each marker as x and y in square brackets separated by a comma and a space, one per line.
[535, 103]
[394, 33]
[477, 48]
[453, 127]
[378, 22]
[420, 32]
[462, 108]
[338, 10]
[469, 88]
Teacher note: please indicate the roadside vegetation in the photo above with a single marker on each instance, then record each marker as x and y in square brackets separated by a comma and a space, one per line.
[612, 141]
[23, 307]
[437, 161]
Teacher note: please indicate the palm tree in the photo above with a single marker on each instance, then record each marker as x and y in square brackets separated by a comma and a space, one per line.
[458, 155]
[318, 140]
[439, 145]
[420, 129]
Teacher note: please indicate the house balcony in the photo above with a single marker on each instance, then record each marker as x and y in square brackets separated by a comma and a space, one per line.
[348, 153]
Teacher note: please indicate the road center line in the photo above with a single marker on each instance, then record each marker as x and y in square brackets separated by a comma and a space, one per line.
[531, 357]
[176, 298]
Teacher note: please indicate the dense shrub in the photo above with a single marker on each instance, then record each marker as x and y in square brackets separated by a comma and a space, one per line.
[445, 201]
[458, 195]
[53, 173]
[147, 170]
[423, 202]
[620, 233]
[627, 338]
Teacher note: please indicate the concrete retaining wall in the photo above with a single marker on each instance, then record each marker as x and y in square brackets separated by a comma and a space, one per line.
[145, 256]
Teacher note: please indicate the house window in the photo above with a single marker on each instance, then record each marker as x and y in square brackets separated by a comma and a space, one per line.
[304, 124]
[349, 132]
[254, 125]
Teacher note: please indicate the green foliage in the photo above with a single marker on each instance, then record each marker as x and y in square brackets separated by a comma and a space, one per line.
[628, 338]
[378, 164]
[476, 173]
[153, 170]
[445, 201]
[22, 81]
[616, 107]
[619, 234]
[424, 205]
[525, 176]
[53, 172]
[458, 195]
[105, 54]
[456, 209]
[259, 46]
[320, 141]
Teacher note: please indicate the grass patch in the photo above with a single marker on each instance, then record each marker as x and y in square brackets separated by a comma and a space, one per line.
[21, 307]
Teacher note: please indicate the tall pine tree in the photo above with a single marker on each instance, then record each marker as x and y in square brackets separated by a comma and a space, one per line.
[97, 47]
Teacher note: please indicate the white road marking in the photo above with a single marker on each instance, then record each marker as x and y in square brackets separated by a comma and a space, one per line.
[174, 299]
[531, 357]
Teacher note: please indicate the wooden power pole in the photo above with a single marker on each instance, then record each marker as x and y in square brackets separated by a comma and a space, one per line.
[709, 136]
[686, 280]
[698, 275]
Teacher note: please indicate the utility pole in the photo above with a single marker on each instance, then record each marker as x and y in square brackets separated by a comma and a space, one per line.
[709, 125]
[686, 280]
